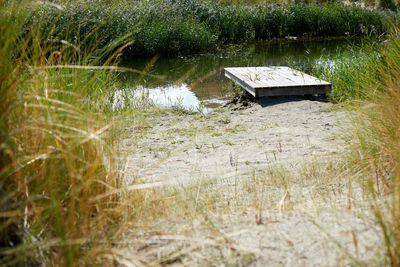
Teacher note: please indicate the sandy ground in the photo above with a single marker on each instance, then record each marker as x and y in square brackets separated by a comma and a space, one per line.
[226, 146]
[182, 148]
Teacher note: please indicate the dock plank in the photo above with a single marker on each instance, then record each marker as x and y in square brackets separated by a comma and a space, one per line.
[275, 81]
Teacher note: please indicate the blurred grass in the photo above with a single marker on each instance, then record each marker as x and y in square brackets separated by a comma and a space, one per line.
[368, 83]
[57, 153]
[376, 152]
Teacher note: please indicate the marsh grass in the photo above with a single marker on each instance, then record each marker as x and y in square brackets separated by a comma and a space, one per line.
[392, 5]
[347, 69]
[189, 26]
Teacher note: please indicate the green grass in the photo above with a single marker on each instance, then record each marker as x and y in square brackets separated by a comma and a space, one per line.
[382, 4]
[188, 26]
[348, 70]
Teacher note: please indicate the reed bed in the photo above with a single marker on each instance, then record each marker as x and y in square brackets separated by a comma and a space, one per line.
[382, 4]
[343, 70]
[188, 26]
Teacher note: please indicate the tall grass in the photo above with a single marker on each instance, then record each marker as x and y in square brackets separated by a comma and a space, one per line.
[369, 83]
[348, 70]
[55, 148]
[187, 26]
[376, 152]
[382, 4]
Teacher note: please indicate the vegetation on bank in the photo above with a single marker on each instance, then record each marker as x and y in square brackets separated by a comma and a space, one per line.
[348, 70]
[187, 26]
[382, 4]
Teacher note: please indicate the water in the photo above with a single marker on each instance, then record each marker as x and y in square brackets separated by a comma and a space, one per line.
[179, 96]
[198, 80]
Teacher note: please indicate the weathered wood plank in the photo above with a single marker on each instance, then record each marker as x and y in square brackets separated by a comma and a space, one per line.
[239, 79]
[275, 81]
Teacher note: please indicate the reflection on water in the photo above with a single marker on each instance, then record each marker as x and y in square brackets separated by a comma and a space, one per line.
[201, 76]
[168, 96]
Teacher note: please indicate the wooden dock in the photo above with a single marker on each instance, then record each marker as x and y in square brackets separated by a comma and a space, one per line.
[276, 81]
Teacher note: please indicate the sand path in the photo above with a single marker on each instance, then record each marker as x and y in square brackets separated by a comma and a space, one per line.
[317, 229]
[222, 143]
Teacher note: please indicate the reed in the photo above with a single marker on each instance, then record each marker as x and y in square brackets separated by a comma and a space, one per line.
[189, 26]
[56, 149]
[343, 70]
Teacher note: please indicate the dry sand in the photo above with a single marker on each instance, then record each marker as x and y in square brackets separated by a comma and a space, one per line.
[183, 148]
[316, 226]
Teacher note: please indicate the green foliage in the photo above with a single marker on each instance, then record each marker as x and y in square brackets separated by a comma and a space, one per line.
[388, 4]
[171, 36]
[266, 22]
[348, 70]
[150, 29]
[186, 26]
[237, 90]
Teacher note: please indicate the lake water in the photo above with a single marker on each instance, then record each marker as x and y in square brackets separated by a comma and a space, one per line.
[198, 80]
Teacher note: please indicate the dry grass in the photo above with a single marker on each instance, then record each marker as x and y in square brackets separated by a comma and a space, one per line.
[57, 154]
[376, 152]
[240, 222]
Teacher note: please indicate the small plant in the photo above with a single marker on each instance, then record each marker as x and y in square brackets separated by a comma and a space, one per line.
[225, 120]
[237, 90]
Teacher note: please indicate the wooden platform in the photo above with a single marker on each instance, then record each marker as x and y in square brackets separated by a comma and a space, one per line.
[276, 81]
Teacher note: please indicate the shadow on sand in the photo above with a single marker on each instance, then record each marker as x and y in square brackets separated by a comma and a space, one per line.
[271, 101]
